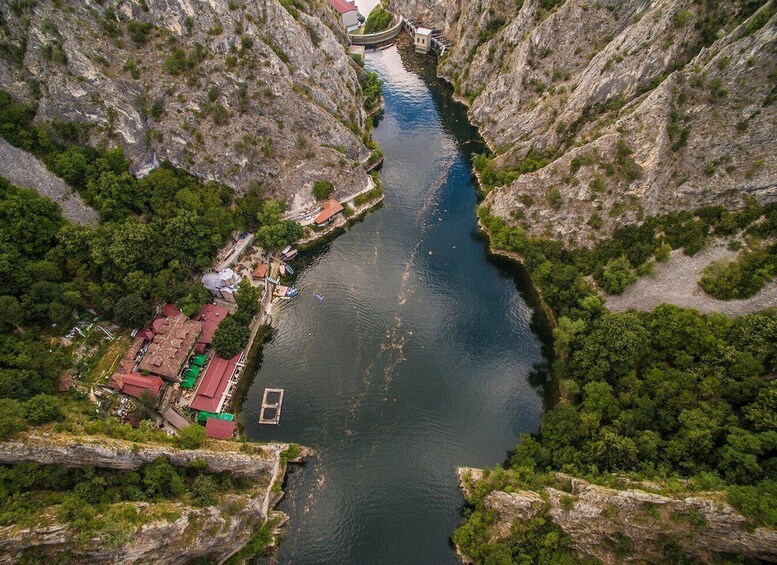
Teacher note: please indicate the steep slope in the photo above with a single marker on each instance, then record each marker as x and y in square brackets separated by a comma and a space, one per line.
[239, 92]
[633, 524]
[600, 113]
[158, 531]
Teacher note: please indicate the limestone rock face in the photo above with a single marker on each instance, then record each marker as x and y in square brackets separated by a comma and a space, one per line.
[170, 532]
[102, 451]
[629, 107]
[632, 525]
[234, 91]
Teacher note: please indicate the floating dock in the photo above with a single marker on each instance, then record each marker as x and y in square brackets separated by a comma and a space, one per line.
[272, 401]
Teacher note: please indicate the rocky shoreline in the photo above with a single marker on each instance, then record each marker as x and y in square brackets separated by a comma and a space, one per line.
[631, 525]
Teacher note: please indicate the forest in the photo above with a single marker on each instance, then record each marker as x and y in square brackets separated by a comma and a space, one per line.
[668, 395]
[156, 235]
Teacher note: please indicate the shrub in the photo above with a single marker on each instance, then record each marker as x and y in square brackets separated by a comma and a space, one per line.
[378, 20]
[617, 275]
[322, 189]
[42, 408]
[740, 278]
[193, 436]
[139, 31]
[132, 311]
[554, 199]
[230, 337]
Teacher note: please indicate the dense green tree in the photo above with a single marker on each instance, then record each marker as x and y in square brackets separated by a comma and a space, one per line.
[11, 417]
[613, 348]
[617, 275]
[322, 189]
[42, 408]
[230, 337]
[191, 437]
[132, 311]
[247, 299]
[11, 311]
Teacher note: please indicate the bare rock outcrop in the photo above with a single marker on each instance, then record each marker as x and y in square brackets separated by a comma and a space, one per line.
[168, 532]
[25, 170]
[614, 110]
[234, 91]
[632, 525]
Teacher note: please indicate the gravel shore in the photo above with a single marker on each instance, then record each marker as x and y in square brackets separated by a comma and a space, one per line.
[676, 282]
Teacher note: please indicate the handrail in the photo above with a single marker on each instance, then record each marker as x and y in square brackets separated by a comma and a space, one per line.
[377, 37]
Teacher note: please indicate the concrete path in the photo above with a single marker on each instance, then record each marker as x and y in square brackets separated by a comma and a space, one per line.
[27, 171]
[676, 282]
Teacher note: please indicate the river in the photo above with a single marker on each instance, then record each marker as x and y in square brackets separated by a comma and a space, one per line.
[420, 359]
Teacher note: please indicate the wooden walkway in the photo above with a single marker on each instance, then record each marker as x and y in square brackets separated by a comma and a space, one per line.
[272, 402]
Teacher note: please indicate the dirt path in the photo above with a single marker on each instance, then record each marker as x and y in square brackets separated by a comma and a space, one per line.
[26, 171]
[676, 282]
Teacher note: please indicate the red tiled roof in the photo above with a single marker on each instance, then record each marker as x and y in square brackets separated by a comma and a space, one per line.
[342, 6]
[260, 271]
[175, 337]
[146, 334]
[157, 324]
[135, 384]
[213, 384]
[219, 429]
[330, 208]
[210, 315]
[170, 310]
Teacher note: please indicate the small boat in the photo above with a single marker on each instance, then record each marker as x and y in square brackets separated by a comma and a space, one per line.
[286, 250]
[321, 298]
[289, 270]
[282, 269]
[290, 255]
[292, 292]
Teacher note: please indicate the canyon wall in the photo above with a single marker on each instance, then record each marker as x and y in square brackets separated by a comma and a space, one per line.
[235, 91]
[602, 113]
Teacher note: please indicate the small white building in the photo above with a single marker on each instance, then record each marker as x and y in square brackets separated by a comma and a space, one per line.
[222, 284]
[348, 13]
[423, 40]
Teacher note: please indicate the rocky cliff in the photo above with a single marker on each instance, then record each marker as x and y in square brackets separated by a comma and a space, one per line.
[632, 525]
[600, 113]
[167, 532]
[236, 91]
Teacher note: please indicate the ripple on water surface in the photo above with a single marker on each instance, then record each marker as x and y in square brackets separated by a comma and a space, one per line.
[416, 362]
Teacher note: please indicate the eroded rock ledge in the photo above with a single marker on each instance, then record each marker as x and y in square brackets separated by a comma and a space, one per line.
[602, 521]
[171, 532]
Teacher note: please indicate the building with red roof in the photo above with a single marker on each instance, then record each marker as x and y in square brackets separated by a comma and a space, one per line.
[348, 13]
[174, 338]
[261, 271]
[219, 429]
[210, 316]
[136, 384]
[170, 310]
[214, 384]
[331, 208]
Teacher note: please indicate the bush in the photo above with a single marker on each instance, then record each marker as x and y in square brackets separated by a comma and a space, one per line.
[132, 311]
[740, 278]
[230, 337]
[322, 189]
[193, 436]
[554, 199]
[617, 275]
[378, 20]
[42, 408]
